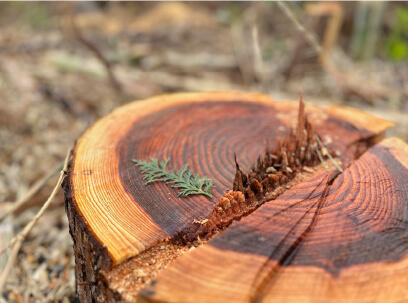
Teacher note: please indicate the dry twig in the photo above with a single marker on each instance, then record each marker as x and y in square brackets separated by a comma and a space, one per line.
[32, 191]
[88, 44]
[17, 241]
[348, 83]
[331, 34]
[258, 61]
[320, 157]
[328, 154]
[308, 35]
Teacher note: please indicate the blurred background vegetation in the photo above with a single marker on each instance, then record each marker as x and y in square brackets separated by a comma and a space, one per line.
[64, 65]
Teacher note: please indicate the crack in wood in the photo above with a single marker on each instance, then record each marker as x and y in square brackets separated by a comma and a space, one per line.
[267, 180]
[291, 252]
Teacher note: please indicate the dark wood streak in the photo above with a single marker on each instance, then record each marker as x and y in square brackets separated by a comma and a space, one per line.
[267, 179]
[206, 136]
[358, 218]
[347, 211]
[203, 135]
[262, 287]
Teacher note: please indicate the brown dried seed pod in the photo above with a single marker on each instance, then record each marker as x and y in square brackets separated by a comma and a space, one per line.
[302, 154]
[249, 195]
[265, 183]
[278, 146]
[284, 162]
[239, 196]
[217, 216]
[229, 195]
[256, 186]
[238, 180]
[291, 159]
[266, 160]
[274, 178]
[219, 210]
[235, 206]
[225, 203]
[228, 213]
[259, 164]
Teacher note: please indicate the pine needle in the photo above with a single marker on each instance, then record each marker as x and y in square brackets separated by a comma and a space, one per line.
[184, 180]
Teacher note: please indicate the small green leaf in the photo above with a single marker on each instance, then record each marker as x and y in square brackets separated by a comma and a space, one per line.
[184, 180]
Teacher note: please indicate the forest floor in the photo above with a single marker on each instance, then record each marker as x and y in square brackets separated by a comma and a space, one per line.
[53, 87]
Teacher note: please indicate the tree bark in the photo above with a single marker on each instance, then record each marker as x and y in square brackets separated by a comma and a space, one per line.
[307, 242]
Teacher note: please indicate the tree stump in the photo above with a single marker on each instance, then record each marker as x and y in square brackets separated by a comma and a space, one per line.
[318, 215]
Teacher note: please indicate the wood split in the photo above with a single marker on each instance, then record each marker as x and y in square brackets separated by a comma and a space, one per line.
[301, 149]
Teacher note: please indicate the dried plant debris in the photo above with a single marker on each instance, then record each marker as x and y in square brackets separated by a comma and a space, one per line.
[45, 268]
[184, 179]
[269, 177]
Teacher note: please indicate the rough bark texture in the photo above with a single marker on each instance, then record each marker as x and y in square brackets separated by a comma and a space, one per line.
[125, 233]
[90, 256]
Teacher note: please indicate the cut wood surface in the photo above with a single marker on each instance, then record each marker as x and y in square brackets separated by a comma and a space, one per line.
[340, 240]
[114, 216]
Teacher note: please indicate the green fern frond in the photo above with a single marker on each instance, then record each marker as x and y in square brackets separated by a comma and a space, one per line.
[184, 180]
